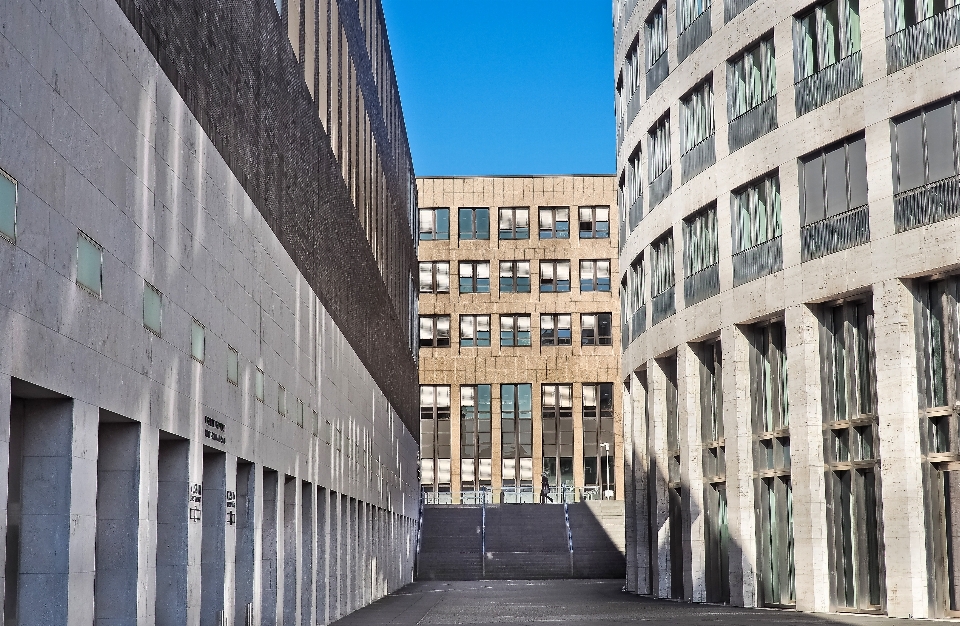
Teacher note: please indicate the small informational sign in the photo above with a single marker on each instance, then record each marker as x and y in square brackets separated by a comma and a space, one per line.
[215, 430]
[195, 502]
[231, 507]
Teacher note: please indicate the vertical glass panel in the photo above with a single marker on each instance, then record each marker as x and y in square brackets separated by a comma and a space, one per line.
[233, 366]
[910, 162]
[466, 224]
[197, 341]
[281, 400]
[443, 224]
[836, 172]
[857, 164]
[939, 135]
[258, 385]
[483, 223]
[872, 532]
[89, 264]
[8, 207]
[152, 307]
[951, 521]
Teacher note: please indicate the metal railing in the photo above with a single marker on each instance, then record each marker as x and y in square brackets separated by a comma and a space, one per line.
[638, 324]
[636, 213]
[699, 30]
[664, 305]
[928, 204]
[517, 495]
[657, 73]
[701, 285]
[835, 233]
[661, 186]
[733, 8]
[478, 496]
[753, 124]
[830, 83]
[923, 40]
[698, 158]
[760, 260]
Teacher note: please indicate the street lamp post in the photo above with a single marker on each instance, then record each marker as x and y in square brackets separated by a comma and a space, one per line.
[608, 492]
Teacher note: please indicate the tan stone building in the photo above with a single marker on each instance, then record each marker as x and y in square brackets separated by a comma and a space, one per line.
[519, 338]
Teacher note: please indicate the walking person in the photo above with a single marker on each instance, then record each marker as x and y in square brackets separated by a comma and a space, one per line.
[545, 489]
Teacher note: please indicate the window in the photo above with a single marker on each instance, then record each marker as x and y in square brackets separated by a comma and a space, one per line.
[557, 422]
[751, 79]
[474, 223]
[281, 400]
[598, 429]
[925, 149]
[696, 117]
[594, 222]
[434, 224]
[658, 151]
[516, 423]
[825, 35]
[298, 412]
[514, 331]
[554, 276]
[662, 277]
[555, 330]
[434, 434]
[700, 249]
[632, 70]
[152, 308]
[716, 528]
[656, 35]
[756, 213]
[833, 180]
[596, 329]
[690, 10]
[514, 223]
[475, 436]
[515, 277]
[903, 14]
[474, 277]
[435, 277]
[554, 222]
[89, 264]
[434, 331]
[197, 341]
[630, 195]
[474, 331]
[595, 275]
[258, 385]
[8, 207]
[233, 366]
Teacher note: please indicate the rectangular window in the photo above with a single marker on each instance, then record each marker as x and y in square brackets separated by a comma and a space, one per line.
[515, 223]
[474, 223]
[594, 222]
[554, 222]
[595, 275]
[696, 117]
[434, 224]
[825, 35]
[474, 331]
[596, 329]
[756, 213]
[474, 277]
[434, 431]
[662, 277]
[435, 277]
[925, 146]
[298, 412]
[197, 341]
[700, 248]
[751, 79]
[8, 206]
[555, 330]
[833, 180]
[258, 385]
[658, 148]
[632, 70]
[233, 366]
[557, 422]
[655, 35]
[516, 421]
[281, 400]
[514, 331]
[690, 10]
[635, 285]
[554, 276]
[89, 264]
[152, 308]
[598, 435]
[434, 331]
[475, 416]
[902, 14]
[515, 277]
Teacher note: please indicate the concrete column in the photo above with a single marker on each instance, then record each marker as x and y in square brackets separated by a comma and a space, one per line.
[629, 495]
[213, 540]
[658, 478]
[322, 571]
[147, 528]
[640, 475]
[810, 548]
[308, 544]
[738, 434]
[904, 535]
[118, 522]
[270, 551]
[343, 540]
[291, 550]
[333, 582]
[246, 540]
[6, 489]
[174, 503]
[691, 473]
[195, 532]
[230, 538]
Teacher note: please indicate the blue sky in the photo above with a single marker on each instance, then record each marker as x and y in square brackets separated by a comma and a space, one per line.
[505, 86]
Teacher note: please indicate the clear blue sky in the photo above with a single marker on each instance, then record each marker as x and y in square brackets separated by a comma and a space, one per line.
[506, 86]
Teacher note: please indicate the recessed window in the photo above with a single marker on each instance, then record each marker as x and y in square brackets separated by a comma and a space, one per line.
[298, 412]
[595, 275]
[89, 265]
[555, 222]
[554, 276]
[594, 222]
[152, 308]
[474, 331]
[474, 277]
[474, 223]
[281, 400]
[258, 384]
[8, 207]
[434, 331]
[555, 330]
[197, 341]
[596, 329]
[514, 223]
[434, 224]
[233, 366]
[435, 277]
[515, 277]
[514, 331]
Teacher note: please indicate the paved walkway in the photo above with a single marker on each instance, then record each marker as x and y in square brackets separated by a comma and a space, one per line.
[571, 603]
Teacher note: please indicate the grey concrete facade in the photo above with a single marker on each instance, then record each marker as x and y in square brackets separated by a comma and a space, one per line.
[188, 434]
[765, 361]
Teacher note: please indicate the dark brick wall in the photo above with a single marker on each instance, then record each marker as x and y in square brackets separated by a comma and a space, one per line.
[232, 63]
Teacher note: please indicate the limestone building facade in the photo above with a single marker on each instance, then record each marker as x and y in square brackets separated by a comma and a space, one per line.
[208, 379]
[519, 338]
[789, 376]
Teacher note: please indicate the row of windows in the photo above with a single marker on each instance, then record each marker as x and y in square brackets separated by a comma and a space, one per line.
[596, 329]
[514, 276]
[89, 277]
[516, 400]
[474, 223]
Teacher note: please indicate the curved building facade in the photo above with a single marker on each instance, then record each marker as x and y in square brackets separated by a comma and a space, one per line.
[788, 187]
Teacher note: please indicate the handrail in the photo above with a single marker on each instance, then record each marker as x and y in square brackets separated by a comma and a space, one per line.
[566, 519]
[483, 531]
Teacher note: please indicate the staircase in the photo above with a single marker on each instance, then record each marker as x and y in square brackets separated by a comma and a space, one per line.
[523, 542]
